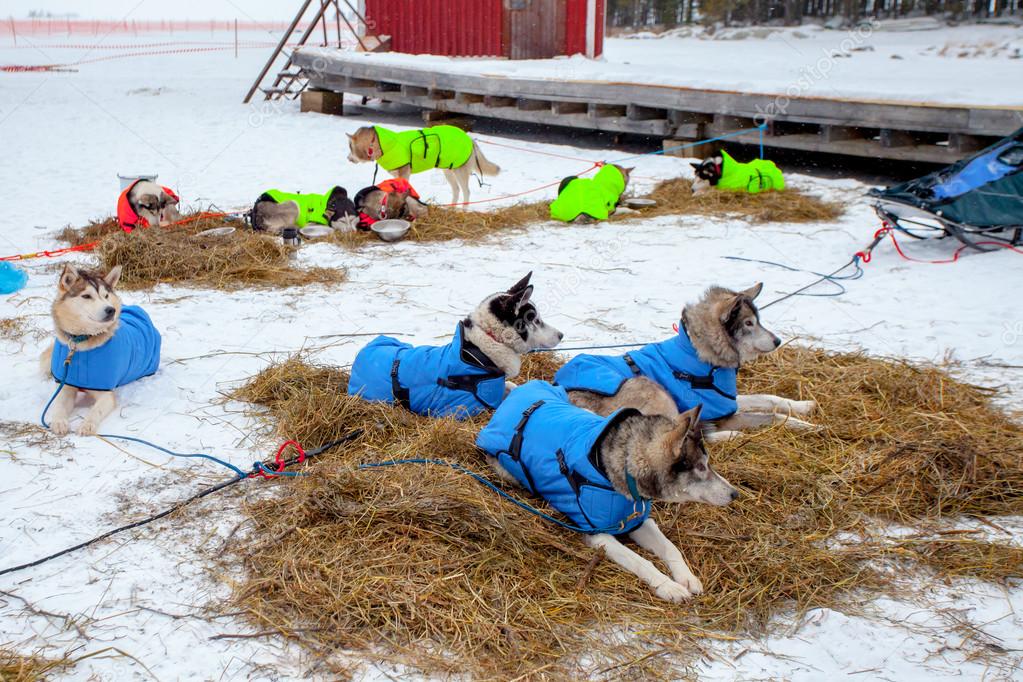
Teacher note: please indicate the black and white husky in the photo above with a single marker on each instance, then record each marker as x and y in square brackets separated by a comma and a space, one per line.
[470, 374]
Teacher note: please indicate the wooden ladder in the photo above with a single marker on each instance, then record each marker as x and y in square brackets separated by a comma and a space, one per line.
[289, 82]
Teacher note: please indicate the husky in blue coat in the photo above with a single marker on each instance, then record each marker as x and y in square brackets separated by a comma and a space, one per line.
[468, 375]
[698, 367]
[100, 345]
[603, 473]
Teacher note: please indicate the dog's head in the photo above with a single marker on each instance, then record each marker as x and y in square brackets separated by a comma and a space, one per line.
[510, 318]
[680, 468]
[626, 172]
[152, 203]
[709, 170]
[725, 327]
[86, 302]
[363, 145]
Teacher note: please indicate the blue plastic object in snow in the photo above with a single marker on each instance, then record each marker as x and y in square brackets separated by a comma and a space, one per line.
[11, 278]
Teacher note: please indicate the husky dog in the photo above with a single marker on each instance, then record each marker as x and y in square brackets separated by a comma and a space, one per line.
[697, 367]
[588, 200]
[394, 198]
[99, 346]
[470, 374]
[275, 210]
[603, 473]
[724, 172]
[146, 203]
[444, 147]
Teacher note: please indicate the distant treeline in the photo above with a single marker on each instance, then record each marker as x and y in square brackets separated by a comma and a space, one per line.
[668, 13]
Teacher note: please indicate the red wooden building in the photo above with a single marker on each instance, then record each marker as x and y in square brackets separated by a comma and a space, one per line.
[517, 29]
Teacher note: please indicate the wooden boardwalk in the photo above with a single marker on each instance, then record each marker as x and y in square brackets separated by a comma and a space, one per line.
[936, 133]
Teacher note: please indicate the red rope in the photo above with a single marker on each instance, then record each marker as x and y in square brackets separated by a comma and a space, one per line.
[946, 261]
[279, 459]
[534, 151]
[597, 164]
[92, 245]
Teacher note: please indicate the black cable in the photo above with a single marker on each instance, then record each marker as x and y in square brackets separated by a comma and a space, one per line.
[351, 435]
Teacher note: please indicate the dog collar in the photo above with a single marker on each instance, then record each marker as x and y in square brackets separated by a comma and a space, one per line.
[630, 481]
[79, 338]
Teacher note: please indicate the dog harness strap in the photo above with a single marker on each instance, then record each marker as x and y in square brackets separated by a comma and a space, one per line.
[515, 448]
[401, 395]
[702, 383]
[632, 364]
[470, 383]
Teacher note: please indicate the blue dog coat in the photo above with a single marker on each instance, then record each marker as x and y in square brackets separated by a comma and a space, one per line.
[673, 364]
[132, 353]
[436, 381]
[551, 447]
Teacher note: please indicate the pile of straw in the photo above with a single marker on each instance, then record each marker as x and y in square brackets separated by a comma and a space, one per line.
[422, 565]
[674, 197]
[177, 255]
[12, 328]
[17, 668]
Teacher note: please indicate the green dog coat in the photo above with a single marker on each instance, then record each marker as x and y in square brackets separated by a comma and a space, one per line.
[597, 197]
[424, 149]
[311, 207]
[758, 175]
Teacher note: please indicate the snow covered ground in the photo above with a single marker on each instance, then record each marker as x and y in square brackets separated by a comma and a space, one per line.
[968, 65]
[142, 597]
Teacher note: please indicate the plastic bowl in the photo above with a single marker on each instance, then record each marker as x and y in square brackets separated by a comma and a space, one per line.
[392, 229]
[315, 231]
[216, 232]
[640, 203]
[126, 180]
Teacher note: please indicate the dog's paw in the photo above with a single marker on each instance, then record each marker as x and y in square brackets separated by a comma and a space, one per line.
[87, 428]
[804, 407]
[59, 427]
[690, 582]
[672, 591]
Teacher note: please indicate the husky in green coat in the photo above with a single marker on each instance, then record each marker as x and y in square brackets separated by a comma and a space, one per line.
[724, 172]
[443, 147]
[274, 210]
[589, 199]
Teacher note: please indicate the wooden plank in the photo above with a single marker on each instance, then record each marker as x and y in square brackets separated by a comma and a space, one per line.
[679, 147]
[635, 112]
[831, 134]
[495, 102]
[385, 86]
[441, 95]
[525, 104]
[468, 98]
[322, 102]
[607, 110]
[569, 107]
[896, 138]
[414, 91]
[964, 144]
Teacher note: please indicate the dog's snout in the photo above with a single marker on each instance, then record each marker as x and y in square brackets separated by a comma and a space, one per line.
[777, 342]
[735, 494]
[109, 312]
[561, 335]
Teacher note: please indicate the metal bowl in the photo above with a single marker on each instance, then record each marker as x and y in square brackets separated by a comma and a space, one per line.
[314, 231]
[638, 202]
[216, 232]
[392, 229]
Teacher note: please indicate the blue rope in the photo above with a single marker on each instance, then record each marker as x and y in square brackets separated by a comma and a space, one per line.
[726, 136]
[480, 479]
[201, 455]
[832, 278]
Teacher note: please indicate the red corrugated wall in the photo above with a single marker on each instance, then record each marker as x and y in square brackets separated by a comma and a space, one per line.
[467, 28]
[457, 28]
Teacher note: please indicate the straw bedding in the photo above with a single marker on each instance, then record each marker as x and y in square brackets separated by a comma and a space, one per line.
[422, 565]
[674, 197]
[17, 668]
[177, 255]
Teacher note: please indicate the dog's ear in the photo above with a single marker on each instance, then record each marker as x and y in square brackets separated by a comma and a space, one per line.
[68, 276]
[730, 308]
[168, 199]
[695, 165]
[753, 291]
[113, 277]
[690, 419]
[350, 136]
[521, 285]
